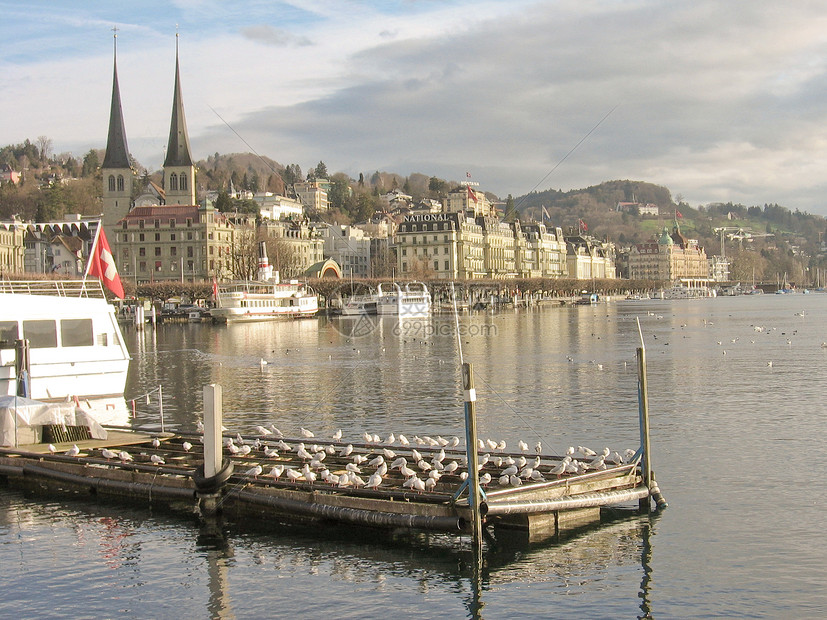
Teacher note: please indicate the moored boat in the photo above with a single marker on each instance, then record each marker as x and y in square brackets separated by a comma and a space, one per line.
[75, 346]
[414, 301]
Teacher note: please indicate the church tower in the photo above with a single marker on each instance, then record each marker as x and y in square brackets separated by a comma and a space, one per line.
[116, 168]
[179, 171]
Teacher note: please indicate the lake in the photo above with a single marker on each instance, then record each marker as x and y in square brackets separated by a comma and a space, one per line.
[736, 395]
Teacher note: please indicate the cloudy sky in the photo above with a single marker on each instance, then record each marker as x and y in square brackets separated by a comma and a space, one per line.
[717, 100]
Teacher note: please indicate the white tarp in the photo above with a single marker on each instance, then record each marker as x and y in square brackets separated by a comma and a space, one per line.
[18, 413]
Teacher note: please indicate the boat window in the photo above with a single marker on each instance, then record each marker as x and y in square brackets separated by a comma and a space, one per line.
[8, 334]
[41, 334]
[76, 333]
[103, 339]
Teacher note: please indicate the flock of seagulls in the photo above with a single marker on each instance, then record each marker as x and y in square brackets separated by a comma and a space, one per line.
[418, 462]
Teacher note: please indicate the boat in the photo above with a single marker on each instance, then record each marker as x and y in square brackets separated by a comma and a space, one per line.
[680, 291]
[356, 305]
[412, 302]
[265, 299]
[75, 347]
[587, 298]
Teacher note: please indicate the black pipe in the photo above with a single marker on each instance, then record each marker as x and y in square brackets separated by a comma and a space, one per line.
[352, 515]
[104, 484]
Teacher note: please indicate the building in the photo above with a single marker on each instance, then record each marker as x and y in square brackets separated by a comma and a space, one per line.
[441, 245]
[8, 174]
[313, 194]
[294, 245]
[669, 258]
[588, 258]
[544, 252]
[350, 247]
[466, 199]
[12, 234]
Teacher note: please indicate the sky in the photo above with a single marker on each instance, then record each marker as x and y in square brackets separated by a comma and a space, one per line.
[717, 100]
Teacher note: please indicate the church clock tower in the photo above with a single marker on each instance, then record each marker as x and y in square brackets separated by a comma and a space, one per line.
[179, 171]
[116, 169]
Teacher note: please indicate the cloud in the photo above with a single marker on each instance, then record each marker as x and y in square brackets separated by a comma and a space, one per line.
[273, 36]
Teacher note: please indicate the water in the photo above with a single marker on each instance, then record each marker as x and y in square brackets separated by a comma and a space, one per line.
[736, 449]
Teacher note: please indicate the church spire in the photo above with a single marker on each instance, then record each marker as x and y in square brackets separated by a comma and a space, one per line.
[117, 152]
[178, 151]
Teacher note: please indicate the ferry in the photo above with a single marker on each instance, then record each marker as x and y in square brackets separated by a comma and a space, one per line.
[75, 347]
[265, 299]
[412, 302]
[356, 305]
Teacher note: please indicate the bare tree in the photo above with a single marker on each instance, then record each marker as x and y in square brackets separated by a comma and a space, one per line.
[44, 147]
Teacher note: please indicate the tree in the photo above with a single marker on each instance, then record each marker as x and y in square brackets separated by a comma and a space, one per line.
[223, 202]
[339, 191]
[321, 170]
[91, 163]
[44, 148]
[510, 211]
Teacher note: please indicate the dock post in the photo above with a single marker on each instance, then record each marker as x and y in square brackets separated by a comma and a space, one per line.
[471, 452]
[213, 418]
[646, 464]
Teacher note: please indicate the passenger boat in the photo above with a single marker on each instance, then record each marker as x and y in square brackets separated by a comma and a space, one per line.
[75, 346]
[412, 302]
[264, 299]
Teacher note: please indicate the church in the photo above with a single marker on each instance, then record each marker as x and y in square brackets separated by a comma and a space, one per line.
[164, 234]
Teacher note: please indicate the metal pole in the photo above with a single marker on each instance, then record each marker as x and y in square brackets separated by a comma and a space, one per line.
[643, 407]
[471, 452]
[161, 405]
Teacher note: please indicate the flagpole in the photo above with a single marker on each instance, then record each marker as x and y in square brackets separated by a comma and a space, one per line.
[91, 254]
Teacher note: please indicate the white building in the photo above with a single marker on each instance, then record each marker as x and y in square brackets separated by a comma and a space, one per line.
[350, 247]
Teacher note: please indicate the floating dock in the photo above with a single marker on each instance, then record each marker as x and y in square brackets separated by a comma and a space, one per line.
[543, 506]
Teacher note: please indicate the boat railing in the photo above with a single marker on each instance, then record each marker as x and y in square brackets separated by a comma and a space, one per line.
[55, 288]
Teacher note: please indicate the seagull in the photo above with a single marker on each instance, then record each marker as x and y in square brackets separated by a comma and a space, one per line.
[523, 446]
[769, 364]
[232, 448]
[276, 471]
[374, 481]
[263, 432]
[451, 467]
[293, 474]
[346, 450]
[367, 437]
[491, 444]
[389, 454]
[156, 459]
[514, 481]
[245, 450]
[454, 442]
[271, 453]
[403, 440]
[415, 455]
[538, 447]
[156, 443]
[501, 446]
[262, 362]
[560, 468]
[306, 433]
[276, 432]
[187, 446]
[124, 456]
[52, 448]
[108, 454]
[337, 435]
[509, 471]
[73, 451]
[391, 439]
[199, 426]
[485, 478]
[376, 461]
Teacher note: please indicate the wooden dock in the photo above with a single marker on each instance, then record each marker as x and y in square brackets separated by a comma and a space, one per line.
[543, 506]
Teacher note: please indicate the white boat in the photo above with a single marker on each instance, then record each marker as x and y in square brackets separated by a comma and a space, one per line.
[265, 299]
[412, 302]
[679, 291]
[356, 305]
[75, 347]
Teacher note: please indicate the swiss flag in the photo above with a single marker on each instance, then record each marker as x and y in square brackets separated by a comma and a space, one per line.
[102, 265]
[471, 194]
[678, 213]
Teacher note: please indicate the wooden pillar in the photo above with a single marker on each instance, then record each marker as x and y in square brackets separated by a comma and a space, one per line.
[471, 451]
[213, 418]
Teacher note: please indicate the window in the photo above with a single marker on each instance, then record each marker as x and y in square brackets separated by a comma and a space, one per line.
[447, 265]
[436, 265]
[189, 251]
[172, 237]
[125, 238]
[157, 265]
[140, 236]
[41, 333]
[142, 266]
[76, 333]
[123, 225]
[189, 236]
[157, 236]
[172, 223]
[183, 182]
[189, 222]
[111, 182]
[120, 182]
[404, 252]
[157, 251]
[141, 223]
[157, 223]
[8, 334]
[404, 266]
[173, 182]
[141, 251]
[173, 251]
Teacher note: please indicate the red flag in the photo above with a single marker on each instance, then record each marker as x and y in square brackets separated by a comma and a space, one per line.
[102, 265]
[678, 213]
[583, 224]
[471, 194]
[468, 174]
